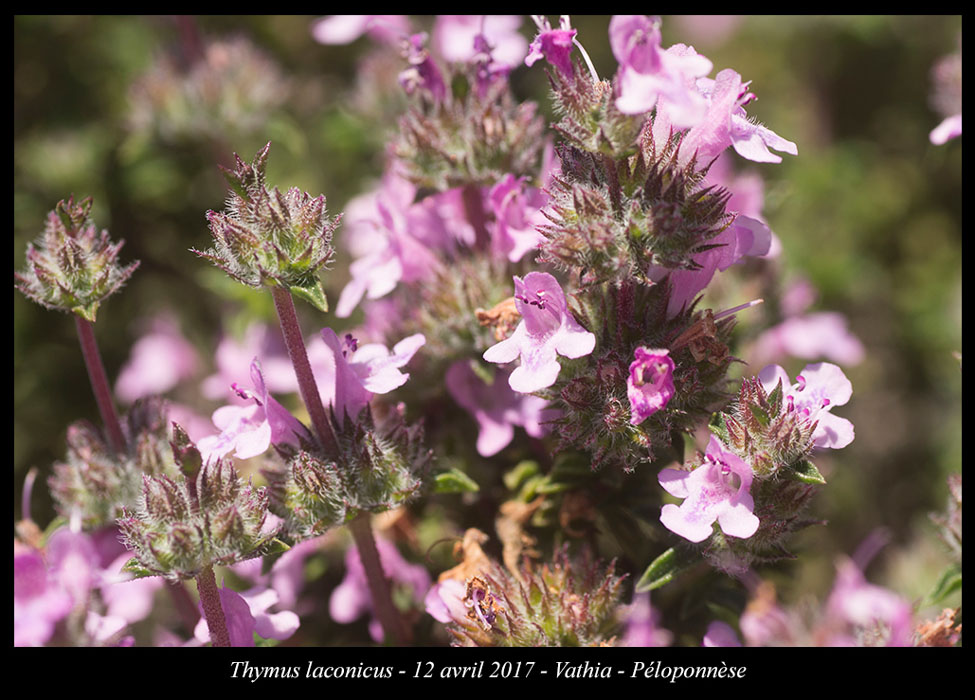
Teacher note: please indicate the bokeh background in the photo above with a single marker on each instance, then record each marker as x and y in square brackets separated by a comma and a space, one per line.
[869, 213]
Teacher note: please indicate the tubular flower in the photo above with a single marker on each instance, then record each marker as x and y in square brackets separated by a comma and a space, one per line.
[650, 384]
[717, 490]
[554, 45]
[546, 330]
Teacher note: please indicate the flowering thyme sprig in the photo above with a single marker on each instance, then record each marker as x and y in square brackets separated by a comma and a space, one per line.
[70, 266]
[269, 238]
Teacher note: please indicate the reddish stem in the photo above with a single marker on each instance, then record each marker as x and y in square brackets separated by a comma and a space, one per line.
[285, 307]
[206, 584]
[394, 627]
[99, 384]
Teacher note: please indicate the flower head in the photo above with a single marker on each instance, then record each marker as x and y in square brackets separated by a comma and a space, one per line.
[716, 490]
[819, 388]
[650, 384]
[554, 45]
[546, 330]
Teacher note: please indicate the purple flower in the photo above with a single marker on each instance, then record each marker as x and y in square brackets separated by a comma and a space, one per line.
[855, 606]
[352, 598]
[720, 634]
[158, 361]
[454, 38]
[40, 602]
[349, 374]
[726, 124]
[250, 430]
[496, 408]
[823, 334]
[819, 388]
[649, 76]
[240, 621]
[517, 211]
[554, 45]
[445, 601]
[344, 29]
[650, 384]
[641, 625]
[423, 73]
[744, 237]
[546, 330]
[716, 490]
[233, 358]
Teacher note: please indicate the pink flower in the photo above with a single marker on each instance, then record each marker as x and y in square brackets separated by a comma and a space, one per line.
[818, 389]
[423, 73]
[946, 130]
[554, 45]
[250, 430]
[716, 490]
[247, 613]
[517, 211]
[855, 607]
[348, 374]
[649, 76]
[233, 358]
[454, 36]
[445, 601]
[720, 634]
[726, 124]
[823, 334]
[546, 330]
[496, 408]
[650, 384]
[344, 29]
[40, 601]
[641, 625]
[352, 597]
[159, 360]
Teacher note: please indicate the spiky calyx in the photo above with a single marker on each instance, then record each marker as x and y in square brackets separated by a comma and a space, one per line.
[378, 468]
[630, 217]
[266, 238]
[559, 604]
[471, 137]
[97, 483]
[183, 526]
[597, 416]
[70, 266]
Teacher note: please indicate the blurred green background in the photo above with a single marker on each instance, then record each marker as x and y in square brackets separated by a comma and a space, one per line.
[869, 212]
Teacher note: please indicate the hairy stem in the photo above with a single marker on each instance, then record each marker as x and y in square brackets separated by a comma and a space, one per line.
[206, 584]
[99, 384]
[285, 307]
[394, 626]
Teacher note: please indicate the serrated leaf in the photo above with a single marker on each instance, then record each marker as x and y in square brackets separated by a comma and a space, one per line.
[132, 566]
[806, 472]
[948, 583]
[664, 568]
[454, 481]
[314, 295]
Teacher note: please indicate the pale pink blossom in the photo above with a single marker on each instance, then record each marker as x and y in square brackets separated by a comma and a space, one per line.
[344, 29]
[454, 36]
[158, 361]
[818, 389]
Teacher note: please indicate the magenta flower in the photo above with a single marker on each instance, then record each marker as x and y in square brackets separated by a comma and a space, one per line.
[250, 430]
[744, 237]
[716, 490]
[40, 601]
[159, 360]
[650, 384]
[726, 124]
[454, 37]
[352, 598]
[344, 29]
[641, 625]
[824, 334]
[649, 76]
[496, 408]
[818, 389]
[554, 45]
[423, 73]
[247, 613]
[348, 374]
[517, 211]
[546, 330]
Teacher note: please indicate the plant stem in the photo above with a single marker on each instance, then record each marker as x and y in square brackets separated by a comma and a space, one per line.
[99, 384]
[394, 627]
[285, 307]
[206, 584]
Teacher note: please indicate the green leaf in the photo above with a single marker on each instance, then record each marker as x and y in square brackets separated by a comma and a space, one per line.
[806, 472]
[132, 566]
[454, 481]
[274, 551]
[522, 471]
[760, 415]
[313, 294]
[664, 568]
[949, 582]
[718, 427]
